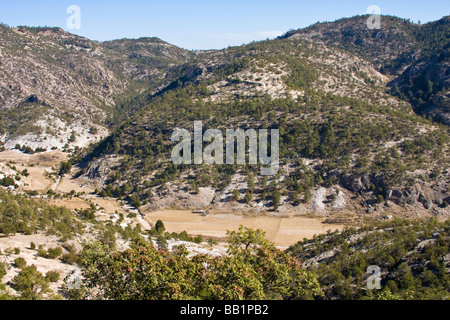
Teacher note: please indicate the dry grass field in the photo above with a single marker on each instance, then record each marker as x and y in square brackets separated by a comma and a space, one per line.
[283, 231]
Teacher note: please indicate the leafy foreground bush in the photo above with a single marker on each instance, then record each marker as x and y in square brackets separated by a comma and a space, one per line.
[252, 269]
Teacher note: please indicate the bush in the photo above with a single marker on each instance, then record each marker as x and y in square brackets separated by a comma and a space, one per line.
[161, 242]
[235, 195]
[32, 246]
[72, 137]
[7, 181]
[198, 239]
[54, 253]
[8, 252]
[52, 276]
[252, 269]
[65, 168]
[30, 283]
[42, 252]
[2, 270]
[20, 262]
[134, 201]
[88, 214]
[71, 257]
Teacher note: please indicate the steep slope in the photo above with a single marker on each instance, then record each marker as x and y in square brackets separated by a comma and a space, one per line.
[54, 84]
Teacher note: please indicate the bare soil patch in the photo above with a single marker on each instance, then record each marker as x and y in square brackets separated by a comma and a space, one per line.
[283, 231]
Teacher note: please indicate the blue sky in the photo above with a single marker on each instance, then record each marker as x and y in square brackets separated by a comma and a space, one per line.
[204, 24]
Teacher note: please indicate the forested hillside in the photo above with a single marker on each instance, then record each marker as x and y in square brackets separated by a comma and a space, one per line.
[338, 128]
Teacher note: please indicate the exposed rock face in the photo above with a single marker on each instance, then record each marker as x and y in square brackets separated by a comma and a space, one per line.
[182, 199]
[98, 172]
[51, 79]
[356, 184]
[417, 194]
[44, 79]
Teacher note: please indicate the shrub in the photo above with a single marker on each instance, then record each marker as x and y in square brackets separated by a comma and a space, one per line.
[7, 181]
[52, 276]
[71, 257]
[65, 168]
[198, 239]
[30, 283]
[235, 195]
[54, 253]
[20, 262]
[161, 242]
[2, 270]
[42, 252]
[8, 251]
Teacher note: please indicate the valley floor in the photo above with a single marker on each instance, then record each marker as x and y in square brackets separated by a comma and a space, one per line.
[281, 230]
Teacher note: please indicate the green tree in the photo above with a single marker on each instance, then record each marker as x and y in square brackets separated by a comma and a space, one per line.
[159, 226]
[65, 167]
[235, 195]
[72, 137]
[53, 253]
[252, 269]
[276, 196]
[52, 276]
[161, 242]
[248, 197]
[31, 284]
[2, 270]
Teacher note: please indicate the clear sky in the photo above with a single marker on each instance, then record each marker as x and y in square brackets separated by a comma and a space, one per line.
[204, 24]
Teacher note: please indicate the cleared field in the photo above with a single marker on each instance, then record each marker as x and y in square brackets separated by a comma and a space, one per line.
[36, 164]
[282, 231]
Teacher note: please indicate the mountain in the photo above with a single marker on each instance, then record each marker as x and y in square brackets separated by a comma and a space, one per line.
[363, 148]
[349, 137]
[415, 55]
[346, 142]
[54, 83]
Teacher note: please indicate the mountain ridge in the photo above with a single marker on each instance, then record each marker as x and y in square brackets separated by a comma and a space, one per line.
[351, 129]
